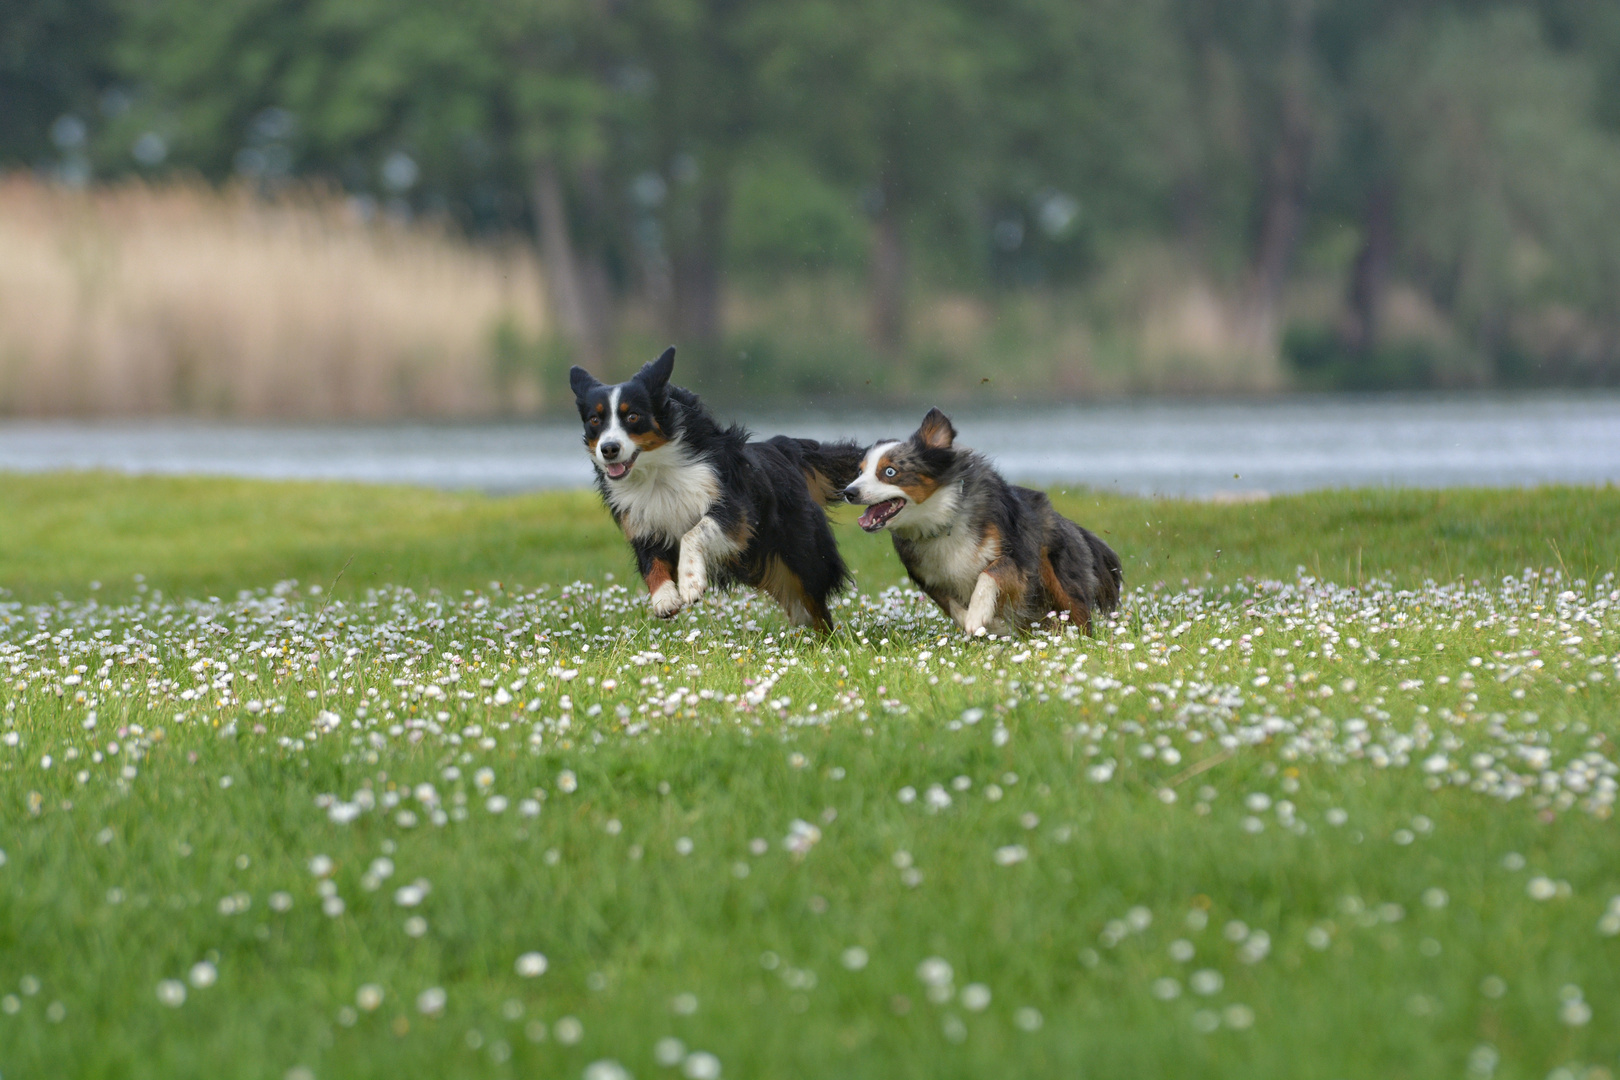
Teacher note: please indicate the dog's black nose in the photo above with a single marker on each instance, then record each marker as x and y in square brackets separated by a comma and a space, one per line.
[610, 450]
[850, 494]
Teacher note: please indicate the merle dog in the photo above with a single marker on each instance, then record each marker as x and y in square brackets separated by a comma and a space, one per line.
[992, 556]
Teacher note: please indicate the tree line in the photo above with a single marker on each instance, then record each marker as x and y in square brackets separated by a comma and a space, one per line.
[657, 149]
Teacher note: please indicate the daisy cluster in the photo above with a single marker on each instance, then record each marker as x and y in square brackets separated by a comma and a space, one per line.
[487, 706]
[1432, 680]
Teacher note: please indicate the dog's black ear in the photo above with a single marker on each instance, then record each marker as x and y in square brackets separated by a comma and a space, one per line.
[655, 373]
[936, 431]
[582, 382]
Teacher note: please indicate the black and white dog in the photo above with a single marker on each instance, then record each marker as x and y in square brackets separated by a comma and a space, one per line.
[994, 557]
[702, 504]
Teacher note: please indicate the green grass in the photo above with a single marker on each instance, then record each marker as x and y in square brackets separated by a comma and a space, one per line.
[202, 537]
[1318, 820]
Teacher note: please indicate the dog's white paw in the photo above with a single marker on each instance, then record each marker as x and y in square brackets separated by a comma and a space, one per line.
[981, 609]
[694, 582]
[667, 600]
[703, 543]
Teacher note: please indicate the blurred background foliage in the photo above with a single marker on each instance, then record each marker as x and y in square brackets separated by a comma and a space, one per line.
[953, 196]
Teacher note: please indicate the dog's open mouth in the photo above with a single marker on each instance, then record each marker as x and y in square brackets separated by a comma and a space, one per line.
[878, 514]
[618, 470]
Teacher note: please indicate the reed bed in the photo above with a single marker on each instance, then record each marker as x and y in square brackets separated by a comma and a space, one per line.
[147, 300]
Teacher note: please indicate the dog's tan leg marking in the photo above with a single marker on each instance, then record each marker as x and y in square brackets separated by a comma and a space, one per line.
[1079, 613]
[665, 597]
[787, 589]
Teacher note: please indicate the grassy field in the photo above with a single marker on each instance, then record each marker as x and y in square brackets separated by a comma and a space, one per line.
[323, 781]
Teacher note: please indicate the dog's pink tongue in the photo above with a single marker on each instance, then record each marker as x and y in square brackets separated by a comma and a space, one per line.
[878, 513]
[616, 470]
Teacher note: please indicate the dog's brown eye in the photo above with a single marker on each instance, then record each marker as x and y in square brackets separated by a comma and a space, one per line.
[596, 421]
[632, 418]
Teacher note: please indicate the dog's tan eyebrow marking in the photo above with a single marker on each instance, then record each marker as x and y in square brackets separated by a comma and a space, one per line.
[598, 406]
[624, 408]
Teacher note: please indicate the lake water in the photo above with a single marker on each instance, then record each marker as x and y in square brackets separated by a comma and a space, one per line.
[1152, 447]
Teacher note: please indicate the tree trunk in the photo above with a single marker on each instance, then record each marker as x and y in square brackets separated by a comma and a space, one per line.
[1279, 234]
[1284, 207]
[696, 318]
[1191, 214]
[1369, 276]
[570, 282]
[888, 281]
[599, 291]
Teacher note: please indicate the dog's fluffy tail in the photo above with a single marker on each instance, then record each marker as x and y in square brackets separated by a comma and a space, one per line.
[829, 467]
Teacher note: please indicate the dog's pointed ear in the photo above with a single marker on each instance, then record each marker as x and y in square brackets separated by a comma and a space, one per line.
[582, 382]
[936, 431]
[654, 375]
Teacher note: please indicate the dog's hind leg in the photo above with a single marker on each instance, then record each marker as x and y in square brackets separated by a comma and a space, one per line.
[1112, 578]
[810, 569]
[1061, 601]
[1086, 568]
[947, 603]
[788, 589]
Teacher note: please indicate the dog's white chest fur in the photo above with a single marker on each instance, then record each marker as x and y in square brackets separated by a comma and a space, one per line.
[953, 562]
[947, 552]
[667, 492]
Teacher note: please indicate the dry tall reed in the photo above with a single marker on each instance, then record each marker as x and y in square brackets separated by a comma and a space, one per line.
[141, 300]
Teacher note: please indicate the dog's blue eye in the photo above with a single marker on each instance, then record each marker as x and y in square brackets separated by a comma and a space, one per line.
[889, 471]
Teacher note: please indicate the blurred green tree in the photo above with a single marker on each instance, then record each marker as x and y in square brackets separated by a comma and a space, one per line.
[56, 73]
[1466, 147]
[888, 96]
[1087, 131]
[619, 125]
[479, 109]
[1507, 185]
[1258, 88]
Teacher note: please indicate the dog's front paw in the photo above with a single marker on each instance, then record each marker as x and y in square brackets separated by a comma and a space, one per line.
[693, 576]
[667, 600]
[981, 609]
[977, 621]
[694, 583]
